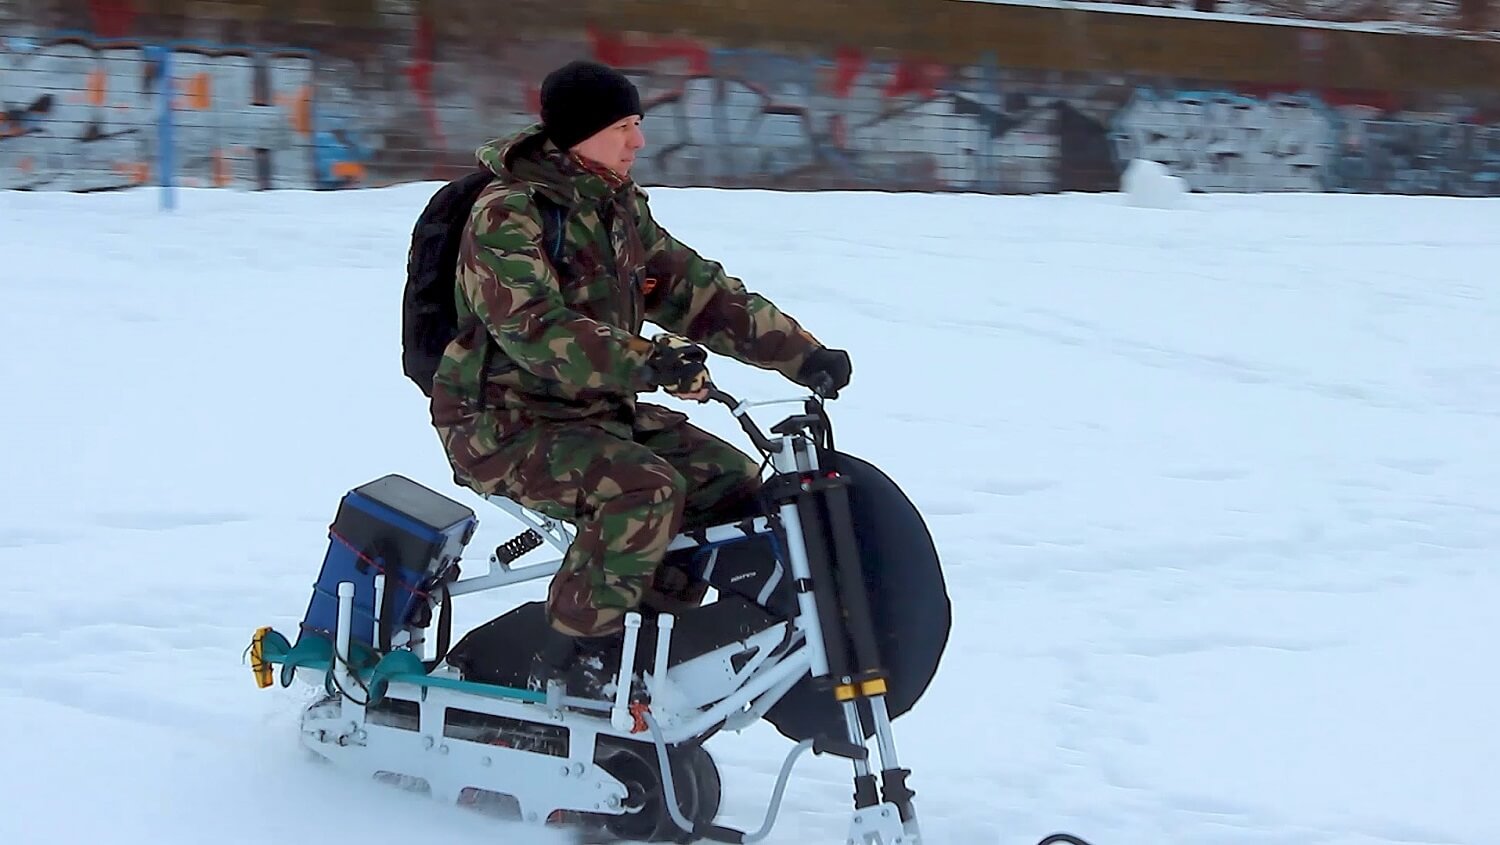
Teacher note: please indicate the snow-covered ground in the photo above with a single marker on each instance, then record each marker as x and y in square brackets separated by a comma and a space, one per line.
[1217, 492]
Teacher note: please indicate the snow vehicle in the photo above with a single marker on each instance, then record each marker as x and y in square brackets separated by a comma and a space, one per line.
[828, 618]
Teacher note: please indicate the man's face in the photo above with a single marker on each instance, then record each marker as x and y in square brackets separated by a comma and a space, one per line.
[615, 145]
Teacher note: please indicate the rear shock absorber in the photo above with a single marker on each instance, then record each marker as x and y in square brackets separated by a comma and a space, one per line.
[512, 549]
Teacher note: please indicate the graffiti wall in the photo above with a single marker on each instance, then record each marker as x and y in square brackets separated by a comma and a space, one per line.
[83, 114]
[95, 105]
[1228, 141]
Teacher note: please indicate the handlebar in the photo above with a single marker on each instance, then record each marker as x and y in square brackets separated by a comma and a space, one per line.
[753, 431]
[758, 437]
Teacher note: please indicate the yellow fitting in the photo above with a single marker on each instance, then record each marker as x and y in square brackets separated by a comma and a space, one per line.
[258, 665]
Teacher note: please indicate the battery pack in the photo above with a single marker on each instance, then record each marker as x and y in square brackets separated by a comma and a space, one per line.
[395, 527]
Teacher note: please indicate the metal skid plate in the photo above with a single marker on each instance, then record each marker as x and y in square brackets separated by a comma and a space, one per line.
[714, 676]
[426, 753]
[881, 825]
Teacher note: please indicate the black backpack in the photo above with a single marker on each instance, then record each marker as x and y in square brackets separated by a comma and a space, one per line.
[429, 316]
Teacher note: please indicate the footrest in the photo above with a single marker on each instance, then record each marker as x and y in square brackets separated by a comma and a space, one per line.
[406, 668]
[269, 648]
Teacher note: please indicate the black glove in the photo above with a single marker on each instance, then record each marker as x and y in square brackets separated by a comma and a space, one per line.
[677, 365]
[826, 370]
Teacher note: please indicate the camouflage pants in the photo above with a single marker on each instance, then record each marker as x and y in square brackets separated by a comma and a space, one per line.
[628, 496]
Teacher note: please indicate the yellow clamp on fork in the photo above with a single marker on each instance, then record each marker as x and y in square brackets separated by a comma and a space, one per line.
[258, 665]
[863, 689]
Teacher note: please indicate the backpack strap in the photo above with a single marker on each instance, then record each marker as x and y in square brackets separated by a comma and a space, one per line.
[554, 232]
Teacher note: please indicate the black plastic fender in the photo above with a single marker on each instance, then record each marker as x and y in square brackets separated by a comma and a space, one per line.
[908, 602]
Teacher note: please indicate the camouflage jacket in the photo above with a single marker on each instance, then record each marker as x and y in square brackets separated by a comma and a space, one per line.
[537, 341]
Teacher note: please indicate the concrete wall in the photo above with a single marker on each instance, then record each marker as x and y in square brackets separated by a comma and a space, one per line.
[878, 94]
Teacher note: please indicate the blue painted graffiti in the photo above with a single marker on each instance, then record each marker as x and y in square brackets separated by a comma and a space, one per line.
[1417, 157]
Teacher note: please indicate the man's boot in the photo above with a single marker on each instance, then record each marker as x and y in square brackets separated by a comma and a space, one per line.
[596, 665]
[585, 666]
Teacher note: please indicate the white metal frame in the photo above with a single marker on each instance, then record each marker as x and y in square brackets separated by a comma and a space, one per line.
[687, 700]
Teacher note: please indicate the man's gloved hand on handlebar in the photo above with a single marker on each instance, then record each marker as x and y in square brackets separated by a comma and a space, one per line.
[678, 366]
[827, 371]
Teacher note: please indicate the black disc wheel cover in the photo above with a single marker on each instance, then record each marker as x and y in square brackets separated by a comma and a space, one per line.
[908, 601]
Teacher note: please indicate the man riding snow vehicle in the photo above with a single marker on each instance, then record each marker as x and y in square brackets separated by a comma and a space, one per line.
[535, 400]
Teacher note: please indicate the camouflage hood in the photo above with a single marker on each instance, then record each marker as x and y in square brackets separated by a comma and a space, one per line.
[558, 271]
[528, 159]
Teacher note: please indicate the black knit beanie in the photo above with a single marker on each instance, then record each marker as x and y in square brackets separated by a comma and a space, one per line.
[580, 98]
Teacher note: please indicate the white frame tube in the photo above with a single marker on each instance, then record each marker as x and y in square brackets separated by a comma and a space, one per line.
[664, 622]
[620, 717]
[375, 609]
[792, 666]
[343, 631]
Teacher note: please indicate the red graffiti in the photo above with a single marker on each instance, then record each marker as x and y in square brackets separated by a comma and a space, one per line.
[419, 73]
[916, 77]
[112, 18]
[615, 51]
[847, 65]
[908, 77]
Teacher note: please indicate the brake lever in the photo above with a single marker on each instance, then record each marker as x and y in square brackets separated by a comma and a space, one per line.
[735, 407]
[714, 394]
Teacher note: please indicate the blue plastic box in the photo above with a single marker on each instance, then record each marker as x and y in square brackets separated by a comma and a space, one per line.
[395, 526]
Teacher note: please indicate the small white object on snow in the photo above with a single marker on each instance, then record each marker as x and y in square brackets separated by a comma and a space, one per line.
[1149, 184]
